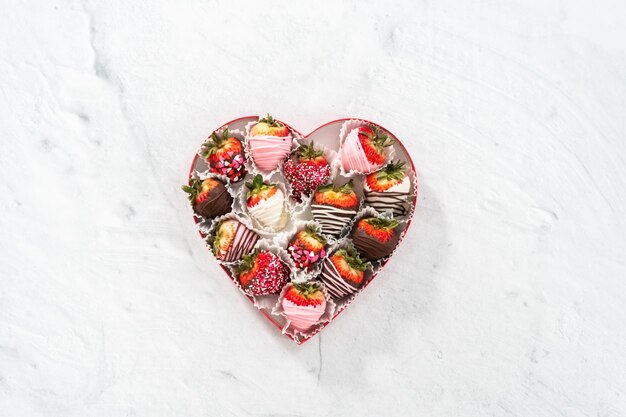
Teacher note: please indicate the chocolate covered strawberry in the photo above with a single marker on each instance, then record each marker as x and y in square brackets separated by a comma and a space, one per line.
[343, 272]
[363, 149]
[270, 143]
[266, 203]
[333, 206]
[225, 155]
[307, 172]
[232, 240]
[268, 126]
[375, 237]
[209, 197]
[304, 304]
[262, 273]
[307, 247]
[388, 189]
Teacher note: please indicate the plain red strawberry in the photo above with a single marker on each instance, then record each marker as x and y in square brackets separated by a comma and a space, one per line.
[349, 265]
[262, 273]
[305, 294]
[268, 126]
[379, 228]
[309, 172]
[337, 196]
[374, 141]
[392, 174]
[225, 155]
[259, 191]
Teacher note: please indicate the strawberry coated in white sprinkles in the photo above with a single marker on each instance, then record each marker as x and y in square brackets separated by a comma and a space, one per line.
[271, 277]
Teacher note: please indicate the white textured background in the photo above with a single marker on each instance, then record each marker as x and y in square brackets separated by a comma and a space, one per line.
[507, 299]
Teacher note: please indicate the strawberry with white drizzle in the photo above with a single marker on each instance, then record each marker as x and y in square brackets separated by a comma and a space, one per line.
[388, 189]
[303, 305]
[363, 149]
[270, 143]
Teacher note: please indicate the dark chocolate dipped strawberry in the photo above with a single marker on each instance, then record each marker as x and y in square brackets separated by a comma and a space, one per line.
[343, 272]
[209, 197]
[374, 237]
[388, 189]
[334, 206]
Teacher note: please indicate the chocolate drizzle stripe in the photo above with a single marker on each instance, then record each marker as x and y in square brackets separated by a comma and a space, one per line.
[243, 242]
[331, 218]
[337, 286]
[390, 200]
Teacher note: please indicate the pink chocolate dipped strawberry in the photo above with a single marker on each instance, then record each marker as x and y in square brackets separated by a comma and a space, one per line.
[304, 304]
[270, 143]
[363, 149]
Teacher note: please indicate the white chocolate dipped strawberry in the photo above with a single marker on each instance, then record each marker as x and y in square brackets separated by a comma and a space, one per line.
[363, 149]
[270, 143]
[266, 203]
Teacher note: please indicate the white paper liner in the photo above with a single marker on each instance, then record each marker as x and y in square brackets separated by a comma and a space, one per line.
[208, 229]
[298, 335]
[254, 166]
[370, 212]
[369, 273]
[263, 302]
[287, 218]
[283, 239]
[331, 157]
[346, 128]
[410, 198]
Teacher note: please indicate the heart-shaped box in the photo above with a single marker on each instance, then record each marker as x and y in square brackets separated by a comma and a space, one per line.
[345, 157]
